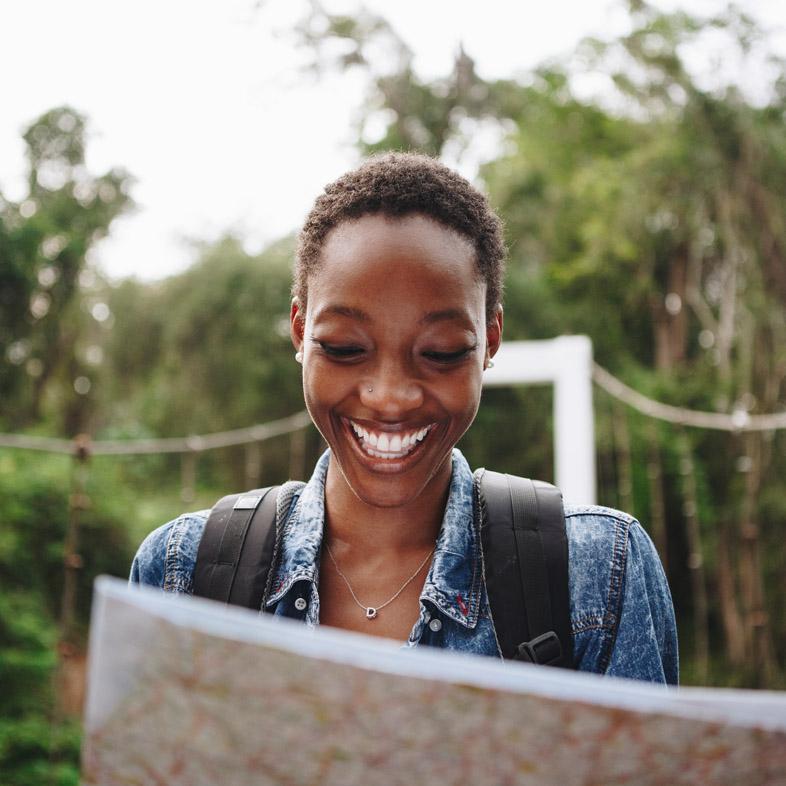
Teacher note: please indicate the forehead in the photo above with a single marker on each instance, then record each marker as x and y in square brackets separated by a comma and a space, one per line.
[415, 252]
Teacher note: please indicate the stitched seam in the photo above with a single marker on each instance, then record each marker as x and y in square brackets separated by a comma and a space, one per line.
[614, 598]
[171, 580]
[604, 623]
[590, 627]
[594, 619]
[307, 573]
[607, 513]
[480, 501]
[474, 611]
[284, 499]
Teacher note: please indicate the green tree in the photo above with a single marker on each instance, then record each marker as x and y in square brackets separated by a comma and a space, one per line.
[39, 743]
[44, 241]
[221, 327]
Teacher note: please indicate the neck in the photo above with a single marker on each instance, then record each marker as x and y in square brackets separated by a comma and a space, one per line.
[356, 524]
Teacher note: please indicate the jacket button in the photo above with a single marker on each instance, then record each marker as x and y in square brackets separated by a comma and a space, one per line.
[300, 604]
[435, 625]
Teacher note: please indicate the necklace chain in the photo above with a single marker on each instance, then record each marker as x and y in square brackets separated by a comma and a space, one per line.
[372, 611]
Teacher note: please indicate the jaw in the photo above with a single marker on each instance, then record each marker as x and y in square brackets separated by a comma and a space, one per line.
[388, 481]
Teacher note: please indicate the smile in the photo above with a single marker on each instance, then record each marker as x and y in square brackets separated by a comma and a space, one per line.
[382, 444]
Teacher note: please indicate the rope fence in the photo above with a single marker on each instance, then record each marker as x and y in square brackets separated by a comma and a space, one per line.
[738, 421]
[192, 444]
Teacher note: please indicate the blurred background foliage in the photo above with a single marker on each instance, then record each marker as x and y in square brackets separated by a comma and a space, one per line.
[649, 217]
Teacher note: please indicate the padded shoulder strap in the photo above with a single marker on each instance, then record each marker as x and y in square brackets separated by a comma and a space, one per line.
[525, 550]
[237, 548]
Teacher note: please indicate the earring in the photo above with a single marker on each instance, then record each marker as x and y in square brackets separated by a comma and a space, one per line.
[299, 356]
[489, 363]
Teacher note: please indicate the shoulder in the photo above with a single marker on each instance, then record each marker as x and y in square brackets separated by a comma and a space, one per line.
[595, 531]
[167, 556]
[597, 548]
[621, 610]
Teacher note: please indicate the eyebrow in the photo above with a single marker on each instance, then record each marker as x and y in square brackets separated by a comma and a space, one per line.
[343, 311]
[444, 315]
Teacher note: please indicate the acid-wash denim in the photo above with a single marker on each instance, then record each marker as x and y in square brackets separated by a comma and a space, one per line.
[621, 610]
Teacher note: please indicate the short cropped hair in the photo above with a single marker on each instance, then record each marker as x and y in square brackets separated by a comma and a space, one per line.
[397, 185]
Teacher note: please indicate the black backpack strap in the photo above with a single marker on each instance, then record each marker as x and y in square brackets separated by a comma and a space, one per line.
[525, 552]
[237, 549]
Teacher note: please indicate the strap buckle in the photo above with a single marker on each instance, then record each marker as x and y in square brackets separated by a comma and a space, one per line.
[545, 650]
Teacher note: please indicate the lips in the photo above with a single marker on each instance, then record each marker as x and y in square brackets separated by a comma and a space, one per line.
[388, 445]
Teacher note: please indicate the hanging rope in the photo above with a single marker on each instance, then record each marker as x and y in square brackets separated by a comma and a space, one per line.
[737, 421]
[116, 447]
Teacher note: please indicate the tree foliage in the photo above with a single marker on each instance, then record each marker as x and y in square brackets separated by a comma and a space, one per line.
[44, 243]
[38, 745]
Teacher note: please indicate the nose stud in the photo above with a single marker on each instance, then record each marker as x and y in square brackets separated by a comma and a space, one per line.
[370, 389]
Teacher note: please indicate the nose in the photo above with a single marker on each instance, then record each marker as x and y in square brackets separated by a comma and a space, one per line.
[391, 390]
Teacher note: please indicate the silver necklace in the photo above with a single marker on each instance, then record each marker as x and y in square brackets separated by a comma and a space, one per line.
[372, 611]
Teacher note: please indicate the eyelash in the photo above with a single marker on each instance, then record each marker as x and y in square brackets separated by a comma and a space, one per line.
[348, 352]
[340, 352]
[449, 357]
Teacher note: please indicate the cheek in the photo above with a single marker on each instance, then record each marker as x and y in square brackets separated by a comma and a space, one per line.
[463, 397]
[325, 387]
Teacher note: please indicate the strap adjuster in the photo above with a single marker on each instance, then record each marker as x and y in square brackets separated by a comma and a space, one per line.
[545, 650]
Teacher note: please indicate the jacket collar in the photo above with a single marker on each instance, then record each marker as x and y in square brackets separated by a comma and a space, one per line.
[454, 580]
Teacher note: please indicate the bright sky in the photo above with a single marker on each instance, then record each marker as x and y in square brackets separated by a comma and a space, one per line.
[203, 101]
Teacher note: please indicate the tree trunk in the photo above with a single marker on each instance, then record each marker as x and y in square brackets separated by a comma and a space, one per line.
[297, 455]
[657, 502]
[253, 465]
[669, 315]
[757, 626]
[727, 599]
[695, 560]
[678, 322]
[619, 421]
[72, 564]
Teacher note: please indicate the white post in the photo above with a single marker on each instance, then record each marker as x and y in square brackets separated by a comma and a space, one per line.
[566, 362]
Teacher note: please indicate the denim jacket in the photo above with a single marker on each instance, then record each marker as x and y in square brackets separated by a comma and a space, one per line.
[621, 610]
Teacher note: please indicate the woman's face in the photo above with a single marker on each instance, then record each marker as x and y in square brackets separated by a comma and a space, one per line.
[394, 341]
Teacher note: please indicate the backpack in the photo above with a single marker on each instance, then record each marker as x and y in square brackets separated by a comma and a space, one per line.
[523, 543]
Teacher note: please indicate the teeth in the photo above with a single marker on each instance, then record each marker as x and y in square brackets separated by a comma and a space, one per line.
[388, 446]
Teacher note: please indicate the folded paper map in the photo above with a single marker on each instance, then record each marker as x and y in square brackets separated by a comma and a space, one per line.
[187, 691]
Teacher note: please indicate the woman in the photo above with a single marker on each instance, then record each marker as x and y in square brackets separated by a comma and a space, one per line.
[396, 314]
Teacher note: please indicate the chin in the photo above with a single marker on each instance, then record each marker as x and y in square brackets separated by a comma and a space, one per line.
[386, 492]
[386, 482]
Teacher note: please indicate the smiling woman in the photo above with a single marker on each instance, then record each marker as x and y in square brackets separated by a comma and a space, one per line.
[395, 315]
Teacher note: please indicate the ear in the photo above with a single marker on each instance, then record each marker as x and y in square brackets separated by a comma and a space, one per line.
[494, 332]
[297, 324]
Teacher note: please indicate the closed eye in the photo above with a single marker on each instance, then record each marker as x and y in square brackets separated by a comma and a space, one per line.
[449, 357]
[340, 350]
